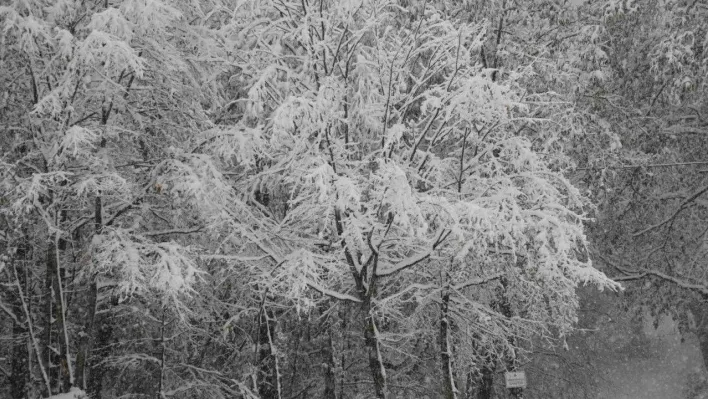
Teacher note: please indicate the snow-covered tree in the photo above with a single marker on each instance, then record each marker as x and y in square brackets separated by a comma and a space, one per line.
[392, 172]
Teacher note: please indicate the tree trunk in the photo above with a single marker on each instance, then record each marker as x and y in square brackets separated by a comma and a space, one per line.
[82, 357]
[49, 357]
[104, 336]
[19, 365]
[485, 389]
[700, 315]
[83, 364]
[378, 372]
[269, 375]
[66, 373]
[33, 338]
[330, 391]
[703, 343]
[161, 381]
[99, 347]
[19, 370]
[449, 389]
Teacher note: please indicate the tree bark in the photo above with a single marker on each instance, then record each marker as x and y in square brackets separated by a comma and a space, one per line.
[97, 348]
[449, 389]
[330, 391]
[19, 370]
[485, 389]
[378, 372]
[19, 365]
[49, 357]
[269, 374]
[66, 373]
[700, 315]
[82, 357]
[161, 381]
[104, 336]
[33, 338]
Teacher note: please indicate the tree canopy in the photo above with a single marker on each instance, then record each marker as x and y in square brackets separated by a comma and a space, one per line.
[345, 199]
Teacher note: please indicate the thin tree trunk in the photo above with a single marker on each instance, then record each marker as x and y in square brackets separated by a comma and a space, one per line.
[19, 365]
[83, 364]
[330, 373]
[33, 338]
[82, 357]
[371, 338]
[101, 350]
[469, 386]
[67, 369]
[159, 394]
[269, 379]
[449, 389]
[98, 348]
[343, 358]
[49, 358]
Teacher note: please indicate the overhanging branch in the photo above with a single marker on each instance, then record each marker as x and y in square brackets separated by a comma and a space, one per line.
[630, 274]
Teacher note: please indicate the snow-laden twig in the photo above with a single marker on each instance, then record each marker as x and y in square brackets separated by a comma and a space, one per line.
[414, 259]
[333, 294]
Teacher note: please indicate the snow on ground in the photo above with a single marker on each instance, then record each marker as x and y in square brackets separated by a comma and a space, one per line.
[74, 393]
[661, 370]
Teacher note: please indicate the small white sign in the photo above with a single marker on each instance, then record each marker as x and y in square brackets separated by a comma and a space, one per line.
[515, 379]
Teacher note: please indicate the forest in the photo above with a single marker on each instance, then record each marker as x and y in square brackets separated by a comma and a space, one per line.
[346, 199]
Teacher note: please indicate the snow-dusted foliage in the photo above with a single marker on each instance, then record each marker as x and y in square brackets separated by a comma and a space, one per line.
[396, 155]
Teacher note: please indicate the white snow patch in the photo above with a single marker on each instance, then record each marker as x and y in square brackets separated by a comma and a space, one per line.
[74, 393]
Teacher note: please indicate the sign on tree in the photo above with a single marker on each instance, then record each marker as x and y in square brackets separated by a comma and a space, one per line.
[515, 379]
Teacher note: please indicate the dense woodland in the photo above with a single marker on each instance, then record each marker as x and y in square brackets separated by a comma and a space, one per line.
[343, 198]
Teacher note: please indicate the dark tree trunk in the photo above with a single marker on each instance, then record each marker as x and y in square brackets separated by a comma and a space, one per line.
[62, 340]
[700, 315]
[104, 337]
[19, 365]
[449, 390]
[82, 358]
[83, 364]
[49, 357]
[269, 375]
[330, 391]
[703, 343]
[97, 344]
[19, 371]
[378, 372]
[485, 389]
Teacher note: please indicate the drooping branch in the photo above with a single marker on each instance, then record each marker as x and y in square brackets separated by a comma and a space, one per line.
[630, 274]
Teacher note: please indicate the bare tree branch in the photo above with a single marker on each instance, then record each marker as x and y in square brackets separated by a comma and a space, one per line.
[681, 207]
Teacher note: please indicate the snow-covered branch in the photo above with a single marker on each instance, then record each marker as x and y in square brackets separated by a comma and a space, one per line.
[685, 203]
[630, 274]
[478, 281]
[333, 294]
[173, 231]
[411, 261]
